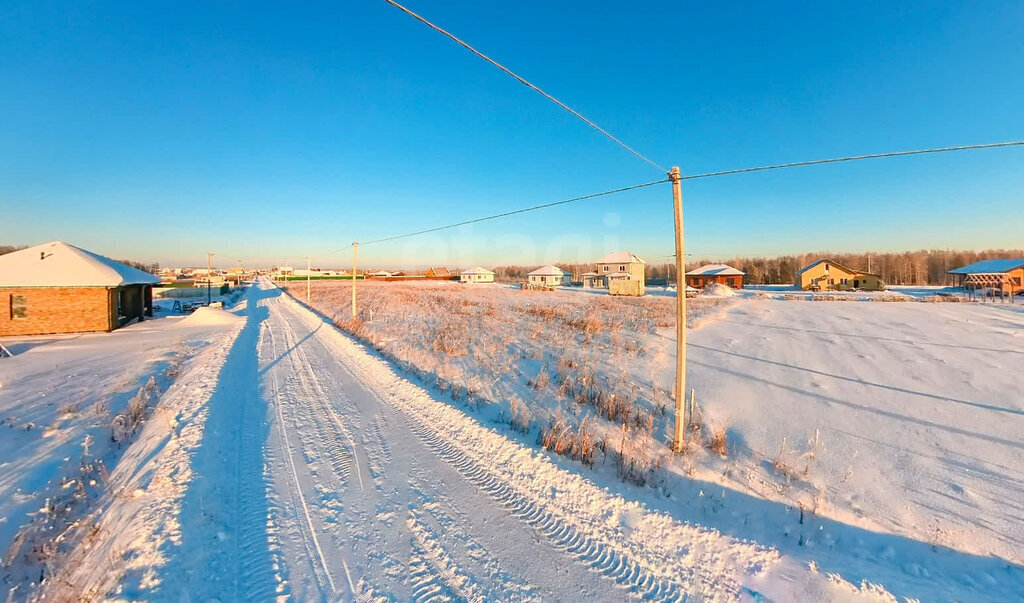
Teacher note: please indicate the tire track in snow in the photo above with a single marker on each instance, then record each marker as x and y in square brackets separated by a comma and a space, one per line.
[438, 508]
[321, 565]
[650, 555]
[311, 399]
[254, 527]
[437, 572]
[344, 454]
[657, 558]
[598, 555]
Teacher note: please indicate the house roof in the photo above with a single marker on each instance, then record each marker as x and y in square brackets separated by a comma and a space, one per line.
[439, 270]
[621, 257]
[836, 264]
[549, 270]
[590, 274]
[477, 270]
[58, 264]
[715, 270]
[990, 266]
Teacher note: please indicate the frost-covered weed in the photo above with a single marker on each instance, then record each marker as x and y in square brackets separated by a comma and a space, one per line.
[529, 352]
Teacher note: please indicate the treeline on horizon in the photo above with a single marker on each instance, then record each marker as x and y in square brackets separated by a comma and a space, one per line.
[921, 267]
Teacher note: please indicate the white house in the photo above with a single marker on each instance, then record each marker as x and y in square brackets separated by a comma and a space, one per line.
[476, 275]
[549, 276]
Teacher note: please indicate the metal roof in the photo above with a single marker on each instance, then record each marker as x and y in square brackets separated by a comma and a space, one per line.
[990, 266]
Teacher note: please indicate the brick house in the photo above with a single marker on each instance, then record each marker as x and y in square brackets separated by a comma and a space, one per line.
[439, 273]
[59, 288]
[715, 273]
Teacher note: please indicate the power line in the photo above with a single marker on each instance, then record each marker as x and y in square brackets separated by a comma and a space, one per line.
[854, 158]
[513, 212]
[523, 81]
[692, 177]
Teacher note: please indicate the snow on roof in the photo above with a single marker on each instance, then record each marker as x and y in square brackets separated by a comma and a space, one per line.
[989, 266]
[58, 264]
[590, 274]
[716, 269]
[477, 270]
[549, 270]
[621, 257]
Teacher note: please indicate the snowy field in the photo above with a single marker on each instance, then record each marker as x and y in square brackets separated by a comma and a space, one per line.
[70, 408]
[487, 443]
[879, 441]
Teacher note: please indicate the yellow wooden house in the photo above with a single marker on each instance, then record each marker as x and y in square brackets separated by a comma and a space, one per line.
[826, 275]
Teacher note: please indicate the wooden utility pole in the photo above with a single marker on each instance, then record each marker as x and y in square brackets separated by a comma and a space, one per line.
[355, 253]
[679, 437]
[209, 276]
[309, 269]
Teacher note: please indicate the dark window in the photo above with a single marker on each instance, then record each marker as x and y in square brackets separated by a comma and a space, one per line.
[19, 306]
[826, 267]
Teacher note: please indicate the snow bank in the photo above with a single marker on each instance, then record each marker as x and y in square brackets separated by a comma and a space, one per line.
[719, 290]
[206, 316]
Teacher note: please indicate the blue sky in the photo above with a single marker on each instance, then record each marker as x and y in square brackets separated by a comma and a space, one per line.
[269, 131]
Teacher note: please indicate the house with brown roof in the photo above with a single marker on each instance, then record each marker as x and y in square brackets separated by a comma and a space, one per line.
[826, 275]
[715, 273]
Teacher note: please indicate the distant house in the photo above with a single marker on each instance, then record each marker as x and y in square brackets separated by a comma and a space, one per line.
[548, 276]
[1006, 275]
[623, 273]
[378, 274]
[592, 280]
[715, 273]
[476, 275]
[59, 288]
[826, 275]
[439, 272]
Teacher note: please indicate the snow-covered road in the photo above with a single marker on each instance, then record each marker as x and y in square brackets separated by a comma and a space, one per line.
[332, 476]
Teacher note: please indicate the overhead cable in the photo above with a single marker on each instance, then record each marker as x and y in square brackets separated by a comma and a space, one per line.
[853, 158]
[514, 212]
[523, 81]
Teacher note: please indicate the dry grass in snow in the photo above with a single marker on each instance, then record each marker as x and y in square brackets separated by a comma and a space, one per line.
[583, 370]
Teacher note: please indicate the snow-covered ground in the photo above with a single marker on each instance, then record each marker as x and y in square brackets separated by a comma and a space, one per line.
[878, 441]
[63, 400]
[872, 451]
